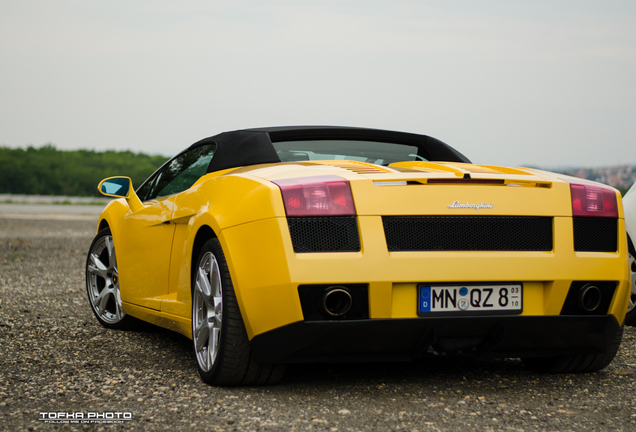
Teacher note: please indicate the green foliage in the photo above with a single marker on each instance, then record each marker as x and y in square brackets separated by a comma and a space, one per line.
[48, 171]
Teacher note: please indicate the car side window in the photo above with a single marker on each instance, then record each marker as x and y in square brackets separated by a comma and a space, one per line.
[181, 172]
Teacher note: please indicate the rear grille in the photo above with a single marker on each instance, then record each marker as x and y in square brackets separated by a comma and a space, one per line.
[324, 234]
[468, 233]
[595, 234]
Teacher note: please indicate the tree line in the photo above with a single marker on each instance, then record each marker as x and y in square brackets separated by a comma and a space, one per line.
[49, 171]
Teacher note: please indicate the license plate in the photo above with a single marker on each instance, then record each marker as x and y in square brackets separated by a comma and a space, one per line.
[470, 299]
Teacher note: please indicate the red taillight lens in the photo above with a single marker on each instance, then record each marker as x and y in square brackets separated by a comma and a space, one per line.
[317, 196]
[593, 201]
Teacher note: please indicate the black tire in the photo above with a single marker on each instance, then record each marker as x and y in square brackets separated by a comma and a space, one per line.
[102, 284]
[575, 363]
[630, 318]
[219, 339]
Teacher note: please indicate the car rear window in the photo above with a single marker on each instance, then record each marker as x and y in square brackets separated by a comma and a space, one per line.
[382, 153]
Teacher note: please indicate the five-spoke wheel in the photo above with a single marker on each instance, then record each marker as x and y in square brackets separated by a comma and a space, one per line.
[207, 311]
[102, 282]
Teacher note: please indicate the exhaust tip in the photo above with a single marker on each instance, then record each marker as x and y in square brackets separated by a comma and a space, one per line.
[589, 298]
[336, 301]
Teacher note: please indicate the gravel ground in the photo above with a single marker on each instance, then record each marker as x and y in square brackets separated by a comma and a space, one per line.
[56, 358]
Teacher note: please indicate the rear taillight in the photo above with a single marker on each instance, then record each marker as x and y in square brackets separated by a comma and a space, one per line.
[593, 201]
[317, 196]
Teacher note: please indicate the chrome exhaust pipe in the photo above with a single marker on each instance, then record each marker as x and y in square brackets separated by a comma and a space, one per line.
[336, 301]
[589, 298]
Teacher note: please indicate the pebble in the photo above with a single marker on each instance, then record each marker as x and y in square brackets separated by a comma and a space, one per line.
[55, 357]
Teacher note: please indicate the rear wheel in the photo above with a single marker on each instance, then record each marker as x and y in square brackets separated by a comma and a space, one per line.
[220, 342]
[575, 363]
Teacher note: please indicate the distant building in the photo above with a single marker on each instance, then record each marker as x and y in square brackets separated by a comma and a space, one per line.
[620, 177]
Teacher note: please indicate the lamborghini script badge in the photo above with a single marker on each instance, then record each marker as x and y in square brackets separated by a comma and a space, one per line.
[458, 205]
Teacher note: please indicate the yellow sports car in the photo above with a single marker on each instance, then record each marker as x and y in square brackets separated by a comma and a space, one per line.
[310, 244]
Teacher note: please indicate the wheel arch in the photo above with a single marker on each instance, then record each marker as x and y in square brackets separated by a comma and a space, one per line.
[103, 224]
[112, 216]
[204, 233]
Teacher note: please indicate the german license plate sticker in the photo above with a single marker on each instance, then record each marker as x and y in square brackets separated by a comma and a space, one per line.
[470, 299]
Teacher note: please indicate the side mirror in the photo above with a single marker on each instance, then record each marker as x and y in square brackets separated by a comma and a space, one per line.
[115, 187]
[120, 187]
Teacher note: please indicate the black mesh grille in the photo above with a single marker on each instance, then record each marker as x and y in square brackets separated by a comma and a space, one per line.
[311, 300]
[324, 234]
[595, 234]
[468, 233]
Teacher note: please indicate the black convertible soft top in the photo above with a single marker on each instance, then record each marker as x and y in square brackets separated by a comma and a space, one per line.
[254, 146]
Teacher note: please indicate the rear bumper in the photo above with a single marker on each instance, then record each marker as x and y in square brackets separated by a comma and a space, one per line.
[406, 339]
[266, 273]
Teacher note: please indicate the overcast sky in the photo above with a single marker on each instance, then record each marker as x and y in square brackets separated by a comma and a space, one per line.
[543, 82]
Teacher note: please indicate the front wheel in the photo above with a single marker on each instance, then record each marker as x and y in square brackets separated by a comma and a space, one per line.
[102, 283]
[220, 342]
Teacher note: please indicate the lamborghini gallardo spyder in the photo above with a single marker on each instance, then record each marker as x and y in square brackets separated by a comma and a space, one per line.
[332, 244]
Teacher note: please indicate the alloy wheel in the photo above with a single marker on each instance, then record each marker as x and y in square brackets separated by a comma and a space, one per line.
[102, 280]
[207, 311]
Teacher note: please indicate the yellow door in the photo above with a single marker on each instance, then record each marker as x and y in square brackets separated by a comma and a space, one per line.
[144, 255]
